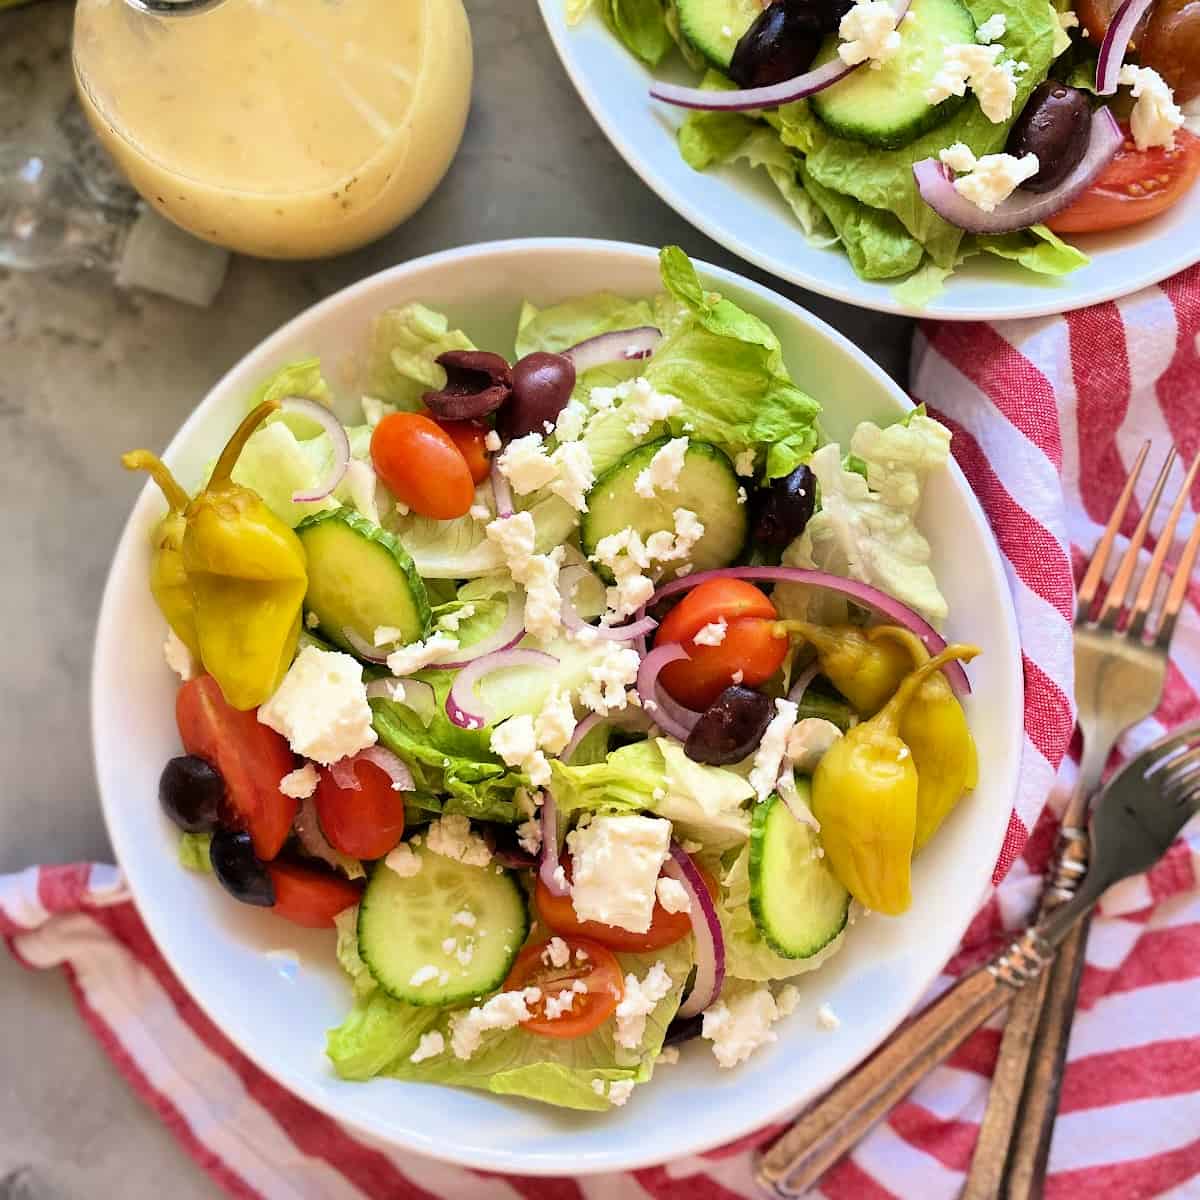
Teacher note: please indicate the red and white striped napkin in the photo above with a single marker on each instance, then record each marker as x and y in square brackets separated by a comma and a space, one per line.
[1047, 416]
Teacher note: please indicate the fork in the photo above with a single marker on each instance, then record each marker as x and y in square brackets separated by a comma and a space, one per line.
[1136, 819]
[1119, 677]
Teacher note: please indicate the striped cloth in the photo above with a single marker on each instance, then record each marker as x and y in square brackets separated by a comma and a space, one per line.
[1047, 415]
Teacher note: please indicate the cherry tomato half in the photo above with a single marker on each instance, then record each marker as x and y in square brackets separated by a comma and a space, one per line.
[558, 914]
[751, 644]
[1135, 186]
[1167, 39]
[251, 758]
[363, 822]
[595, 966]
[309, 896]
[419, 462]
[470, 438]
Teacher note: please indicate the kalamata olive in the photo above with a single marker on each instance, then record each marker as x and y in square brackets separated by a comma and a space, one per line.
[730, 727]
[785, 508]
[477, 383]
[238, 870]
[190, 791]
[783, 41]
[542, 385]
[1054, 125]
[683, 1029]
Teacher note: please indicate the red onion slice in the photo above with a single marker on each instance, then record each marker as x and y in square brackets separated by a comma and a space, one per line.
[802, 681]
[510, 631]
[670, 716]
[1116, 44]
[568, 581]
[629, 718]
[791, 796]
[862, 593]
[390, 765]
[623, 345]
[463, 705]
[337, 439]
[501, 492]
[548, 869]
[344, 776]
[362, 648]
[1022, 209]
[706, 927]
[773, 96]
[412, 693]
[312, 838]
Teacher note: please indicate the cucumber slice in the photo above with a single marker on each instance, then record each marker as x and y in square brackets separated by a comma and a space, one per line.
[795, 899]
[714, 27]
[403, 921]
[887, 107]
[360, 577]
[707, 485]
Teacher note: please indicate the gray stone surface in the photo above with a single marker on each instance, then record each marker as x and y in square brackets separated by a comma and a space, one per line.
[85, 372]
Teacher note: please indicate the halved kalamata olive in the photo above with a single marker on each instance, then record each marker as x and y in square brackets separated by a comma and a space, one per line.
[238, 870]
[730, 728]
[542, 385]
[190, 791]
[477, 383]
[783, 41]
[785, 508]
[1055, 125]
[683, 1029]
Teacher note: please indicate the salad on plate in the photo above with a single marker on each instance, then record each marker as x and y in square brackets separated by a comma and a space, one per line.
[586, 690]
[914, 134]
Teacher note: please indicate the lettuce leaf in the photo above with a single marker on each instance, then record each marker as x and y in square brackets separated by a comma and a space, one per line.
[193, 852]
[401, 356]
[641, 25]
[564, 325]
[1036, 249]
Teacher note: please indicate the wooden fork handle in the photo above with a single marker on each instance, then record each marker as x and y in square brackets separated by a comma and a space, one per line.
[846, 1113]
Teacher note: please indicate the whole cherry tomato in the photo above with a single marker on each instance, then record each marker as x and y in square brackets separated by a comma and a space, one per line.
[470, 438]
[419, 462]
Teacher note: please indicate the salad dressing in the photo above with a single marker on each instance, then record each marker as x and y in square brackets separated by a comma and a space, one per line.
[279, 128]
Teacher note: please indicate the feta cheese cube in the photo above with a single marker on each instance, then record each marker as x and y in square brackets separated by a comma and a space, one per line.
[1155, 116]
[739, 1026]
[617, 861]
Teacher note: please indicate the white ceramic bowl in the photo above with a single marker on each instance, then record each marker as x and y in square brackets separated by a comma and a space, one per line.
[217, 947]
[740, 208]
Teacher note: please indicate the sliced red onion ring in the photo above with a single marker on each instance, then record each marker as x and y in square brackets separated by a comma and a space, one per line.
[773, 96]
[344, 775]
[802, 681]
[667, 714]
[706, 927]
[1022, 209]
[463, 705]
[510, 631]
[568, 581]
[548, 869]
[362, 648]
[863, 593]
[501, 492]
[412, 693]
[312, 838]
[390, 765]
[629, 718]
[1116, 44]
[622, 345]
[337, 439]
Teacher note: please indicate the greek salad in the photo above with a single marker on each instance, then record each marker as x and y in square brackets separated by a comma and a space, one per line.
[584, 689]
[917, 133]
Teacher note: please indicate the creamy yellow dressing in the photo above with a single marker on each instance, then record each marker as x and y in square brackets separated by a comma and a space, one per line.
[279, 128]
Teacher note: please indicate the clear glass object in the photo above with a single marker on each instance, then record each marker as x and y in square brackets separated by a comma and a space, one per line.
[280, 128]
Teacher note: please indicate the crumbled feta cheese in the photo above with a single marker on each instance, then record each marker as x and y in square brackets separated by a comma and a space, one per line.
[423, 975]
[555, 723]
[451, 836]
[529, 836]
[672, 895]
[300, 783]
[1155, 116]
[662, 473]
[828, 1019]
[609, 678]
[556, 953]
[464, 917]
[504, 1011]
[868, 33]
[616, 862]
[809, 740]
[449, 945]
[480, 512]
[619, 1091]
[526, 465]
[571, 421]
[465, 953]
[668, 1056]
[993, 29]
[403, 861]
[573, 462]
[980, 68]
[786, 999]
[624, 554]
[415, 657]
[179, 658]
[742, 495]
[558, 1004]
[960, 158]
[768, 758]
[387, 635]
[712, 634]
[743, 464]
[638, 1003]
[452, 620]
[537, 573]
[430, 1046]
[515, 742]
[560, 878]
[321, 707]
[492, 441]
[740, 1026]
[516, 537]
[995, 178]
[688, 531]
[638, 398]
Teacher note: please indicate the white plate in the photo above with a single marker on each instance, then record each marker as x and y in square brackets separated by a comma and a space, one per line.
[740, 208]
[217, 947]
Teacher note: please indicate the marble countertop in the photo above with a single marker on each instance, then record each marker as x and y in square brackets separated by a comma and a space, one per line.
[89, 371]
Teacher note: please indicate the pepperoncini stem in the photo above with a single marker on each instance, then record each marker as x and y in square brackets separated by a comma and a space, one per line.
[144, 460]
[888, 718]
[906, 637]
[222, 472]
[817, 635]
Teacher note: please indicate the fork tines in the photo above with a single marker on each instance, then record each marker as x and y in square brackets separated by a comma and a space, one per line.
[1114, 604]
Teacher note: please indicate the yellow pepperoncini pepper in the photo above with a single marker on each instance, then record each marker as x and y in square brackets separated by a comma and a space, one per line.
[168, 580]
[867, 673]
[247, 575]
[864, 795]
[934, 727]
